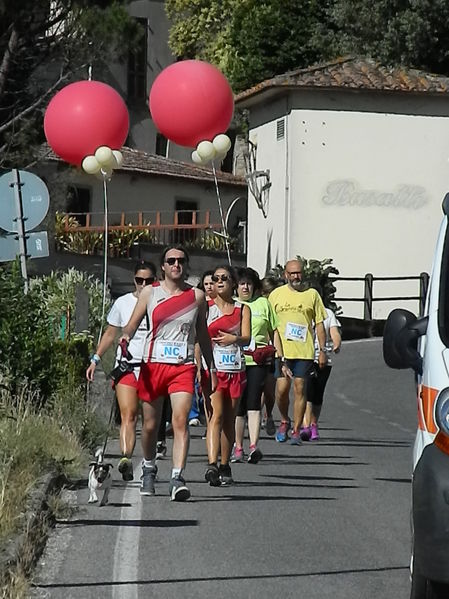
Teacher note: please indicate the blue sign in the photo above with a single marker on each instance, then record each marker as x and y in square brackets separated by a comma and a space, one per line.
[36, 243]
[35, 201]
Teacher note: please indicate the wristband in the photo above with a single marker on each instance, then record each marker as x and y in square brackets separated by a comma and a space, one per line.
[95, 359]
[212, 370]
[282, 359]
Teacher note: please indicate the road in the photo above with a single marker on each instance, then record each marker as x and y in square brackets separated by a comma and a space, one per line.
[328, 519]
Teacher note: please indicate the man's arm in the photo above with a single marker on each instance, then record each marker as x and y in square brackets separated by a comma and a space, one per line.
[280, 353]
[321, 336]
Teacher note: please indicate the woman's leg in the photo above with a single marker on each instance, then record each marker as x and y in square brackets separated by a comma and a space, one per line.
[214, 413]
[228, 428]
[255, 379]
[129, 411]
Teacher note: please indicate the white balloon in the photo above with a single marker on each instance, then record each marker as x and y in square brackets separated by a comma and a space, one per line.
[222, 143]
[206, 150]
[91, 165]
[197, 158]
[118, 156]
[219, 157]
[104, 156]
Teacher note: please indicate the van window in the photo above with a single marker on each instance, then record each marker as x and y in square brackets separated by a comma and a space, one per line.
[443, 299]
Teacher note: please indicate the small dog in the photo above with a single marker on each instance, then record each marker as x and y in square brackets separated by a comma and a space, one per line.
[99, 479]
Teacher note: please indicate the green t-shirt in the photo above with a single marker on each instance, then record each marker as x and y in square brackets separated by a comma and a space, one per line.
[263, 323]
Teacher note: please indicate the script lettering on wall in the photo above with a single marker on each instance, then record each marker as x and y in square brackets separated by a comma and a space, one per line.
[345, 192]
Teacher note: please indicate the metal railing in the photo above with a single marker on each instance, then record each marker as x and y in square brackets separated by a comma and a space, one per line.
[368, 294]
[83, 232]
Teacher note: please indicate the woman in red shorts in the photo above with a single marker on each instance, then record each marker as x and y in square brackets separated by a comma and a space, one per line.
[229, 326]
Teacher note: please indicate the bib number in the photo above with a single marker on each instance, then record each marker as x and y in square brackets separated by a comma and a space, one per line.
[227, 359]
[296, 332]
[171, 352]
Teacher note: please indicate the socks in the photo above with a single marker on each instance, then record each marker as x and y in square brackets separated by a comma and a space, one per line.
[176, 472]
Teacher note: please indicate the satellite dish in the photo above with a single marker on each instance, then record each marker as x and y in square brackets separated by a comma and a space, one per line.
[236, 216]
[35, 201]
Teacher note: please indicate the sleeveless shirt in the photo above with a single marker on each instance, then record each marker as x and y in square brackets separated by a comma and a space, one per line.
[230, 357]
[172, 326]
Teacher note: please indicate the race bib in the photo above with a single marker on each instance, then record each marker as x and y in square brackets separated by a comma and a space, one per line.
[227, 359]
[296, 332]
[171, 352]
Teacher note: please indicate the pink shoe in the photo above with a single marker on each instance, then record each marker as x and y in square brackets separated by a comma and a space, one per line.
[314, 434]
[305, 432]
[237, 454]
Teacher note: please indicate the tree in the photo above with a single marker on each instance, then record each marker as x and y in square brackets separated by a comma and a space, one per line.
[414, 33]
[44, 46]
[249, 40]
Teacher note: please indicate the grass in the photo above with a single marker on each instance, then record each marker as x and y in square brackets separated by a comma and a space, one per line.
[36, 441]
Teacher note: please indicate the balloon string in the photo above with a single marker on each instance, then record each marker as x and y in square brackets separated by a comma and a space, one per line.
[223, 222]
[105, 261]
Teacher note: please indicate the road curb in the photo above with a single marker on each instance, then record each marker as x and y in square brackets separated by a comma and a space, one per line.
[19, 553]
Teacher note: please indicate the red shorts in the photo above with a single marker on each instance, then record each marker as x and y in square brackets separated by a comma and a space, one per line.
[159, 380]
[128, 379]
[231, 384]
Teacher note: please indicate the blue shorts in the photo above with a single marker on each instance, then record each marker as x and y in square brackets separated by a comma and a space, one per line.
[301, 368]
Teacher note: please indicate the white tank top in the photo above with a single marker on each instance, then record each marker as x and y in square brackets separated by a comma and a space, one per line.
[172, 327]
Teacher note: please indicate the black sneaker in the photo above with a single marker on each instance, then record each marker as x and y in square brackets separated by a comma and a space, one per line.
[178, 490]
[148, 477]
[125, 467]
[212, 475]
[225, 475]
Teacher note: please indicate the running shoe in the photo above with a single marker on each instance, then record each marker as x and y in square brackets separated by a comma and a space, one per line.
[194, 422]
[148, 477]
[178, 490]
[270, 426]
[255, 455]
[237, 454]
[295, 438]
[125, 467]
[305, 432]
[161, 450]
[212, 475]
[225, 475]
[314, 434]
[282, 434]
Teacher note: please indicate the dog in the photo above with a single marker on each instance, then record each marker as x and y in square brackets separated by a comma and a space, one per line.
[100, 479]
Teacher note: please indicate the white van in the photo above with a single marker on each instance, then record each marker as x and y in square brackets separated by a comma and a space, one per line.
[423, 345]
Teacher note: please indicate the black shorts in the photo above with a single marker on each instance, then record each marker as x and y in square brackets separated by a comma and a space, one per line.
[316, 384]
[252, 395]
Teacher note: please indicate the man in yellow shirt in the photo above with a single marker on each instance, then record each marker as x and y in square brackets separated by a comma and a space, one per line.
[298, 312]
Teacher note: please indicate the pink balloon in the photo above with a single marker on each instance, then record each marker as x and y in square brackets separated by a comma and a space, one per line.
[191, 101]
[84, 116]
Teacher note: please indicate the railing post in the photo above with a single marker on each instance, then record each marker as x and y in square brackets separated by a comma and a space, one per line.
[423, 286]
[368, 297]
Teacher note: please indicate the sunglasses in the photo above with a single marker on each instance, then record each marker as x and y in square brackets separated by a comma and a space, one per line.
[223, 278]
[172, 261]
[140, 280]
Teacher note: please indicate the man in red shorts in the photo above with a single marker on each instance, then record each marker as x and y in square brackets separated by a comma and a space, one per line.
[177, 317]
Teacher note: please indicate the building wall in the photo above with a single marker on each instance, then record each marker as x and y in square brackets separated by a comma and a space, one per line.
[363, 187]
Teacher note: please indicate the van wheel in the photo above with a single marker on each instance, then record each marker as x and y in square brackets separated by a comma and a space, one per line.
[422, 588]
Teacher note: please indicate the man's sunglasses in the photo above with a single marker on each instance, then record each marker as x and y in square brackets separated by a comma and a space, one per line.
[140, 280]
[223, 278]
[172, 261]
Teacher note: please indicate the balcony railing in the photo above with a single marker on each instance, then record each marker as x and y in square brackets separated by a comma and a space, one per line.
[84, 232]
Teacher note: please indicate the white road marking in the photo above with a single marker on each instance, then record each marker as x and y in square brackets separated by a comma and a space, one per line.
[368, 340]
[126, 552]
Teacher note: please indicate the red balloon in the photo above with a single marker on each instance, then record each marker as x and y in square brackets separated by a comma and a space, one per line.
[84, 116]
[191, 101]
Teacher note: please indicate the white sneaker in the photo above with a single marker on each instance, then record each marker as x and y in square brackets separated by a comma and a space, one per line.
[194, 422]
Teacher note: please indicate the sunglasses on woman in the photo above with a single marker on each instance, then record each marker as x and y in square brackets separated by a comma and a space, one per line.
[140, 280]
[223, 278]
[172, 261]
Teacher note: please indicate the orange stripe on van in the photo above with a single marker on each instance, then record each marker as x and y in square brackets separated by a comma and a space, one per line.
[428, 396]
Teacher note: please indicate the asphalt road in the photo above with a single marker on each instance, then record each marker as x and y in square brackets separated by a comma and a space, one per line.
[328, 519]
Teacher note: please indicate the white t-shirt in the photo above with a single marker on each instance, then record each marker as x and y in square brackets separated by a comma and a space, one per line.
[330, 321]
[119, 316]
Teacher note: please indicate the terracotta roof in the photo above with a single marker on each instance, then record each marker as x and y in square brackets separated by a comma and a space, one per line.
[354, 74]
[137, 161]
